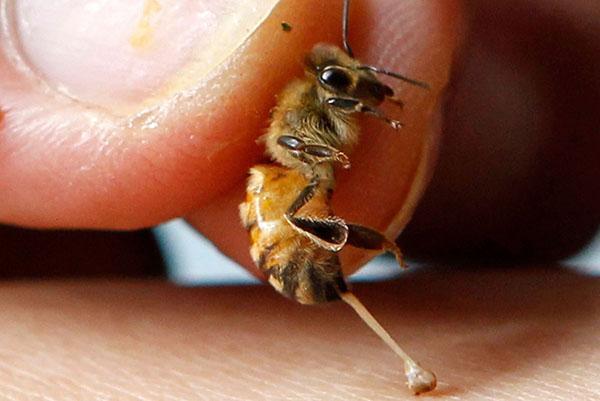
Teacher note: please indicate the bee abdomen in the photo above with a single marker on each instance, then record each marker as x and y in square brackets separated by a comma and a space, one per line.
[306, 280]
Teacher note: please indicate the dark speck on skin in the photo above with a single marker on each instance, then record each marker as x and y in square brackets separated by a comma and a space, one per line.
[286, 27]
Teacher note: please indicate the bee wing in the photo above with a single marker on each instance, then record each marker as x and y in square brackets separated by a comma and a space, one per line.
[330, 233]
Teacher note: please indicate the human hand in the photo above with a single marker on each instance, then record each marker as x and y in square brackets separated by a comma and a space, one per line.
[166, 130]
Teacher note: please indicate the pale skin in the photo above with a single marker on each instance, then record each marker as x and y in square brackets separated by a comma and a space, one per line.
[522, 349]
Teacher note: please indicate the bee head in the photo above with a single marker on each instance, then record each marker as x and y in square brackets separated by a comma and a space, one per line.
[346, 83]
[339, 75]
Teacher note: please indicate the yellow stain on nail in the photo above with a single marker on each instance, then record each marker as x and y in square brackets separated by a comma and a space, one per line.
[142, 36]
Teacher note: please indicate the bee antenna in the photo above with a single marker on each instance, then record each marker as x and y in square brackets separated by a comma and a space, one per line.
[411, 81]
[348, 49]
[345, 22]
[419, 380]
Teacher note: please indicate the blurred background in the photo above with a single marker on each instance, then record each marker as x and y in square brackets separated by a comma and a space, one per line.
[176, 251]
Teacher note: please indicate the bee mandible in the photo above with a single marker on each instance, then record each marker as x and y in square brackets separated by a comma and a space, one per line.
[295, 236]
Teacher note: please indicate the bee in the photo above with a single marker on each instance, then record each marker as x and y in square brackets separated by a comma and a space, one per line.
[295, 236]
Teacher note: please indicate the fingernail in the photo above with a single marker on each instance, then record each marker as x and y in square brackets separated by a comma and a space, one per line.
[120, 54]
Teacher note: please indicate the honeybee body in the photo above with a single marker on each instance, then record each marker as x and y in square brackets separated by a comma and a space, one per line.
[295, 265]
[295, 236]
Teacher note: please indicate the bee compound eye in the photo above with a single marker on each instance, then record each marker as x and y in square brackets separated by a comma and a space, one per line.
[335, 78]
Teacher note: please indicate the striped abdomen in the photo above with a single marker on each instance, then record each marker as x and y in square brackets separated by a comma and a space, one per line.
[294, 265]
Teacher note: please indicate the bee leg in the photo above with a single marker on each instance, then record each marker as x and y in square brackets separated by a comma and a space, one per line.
[304, 151]
[367, 238]
[397, 101]
[330, 233]
[344, 103]
[395, 124]
[356, 105]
